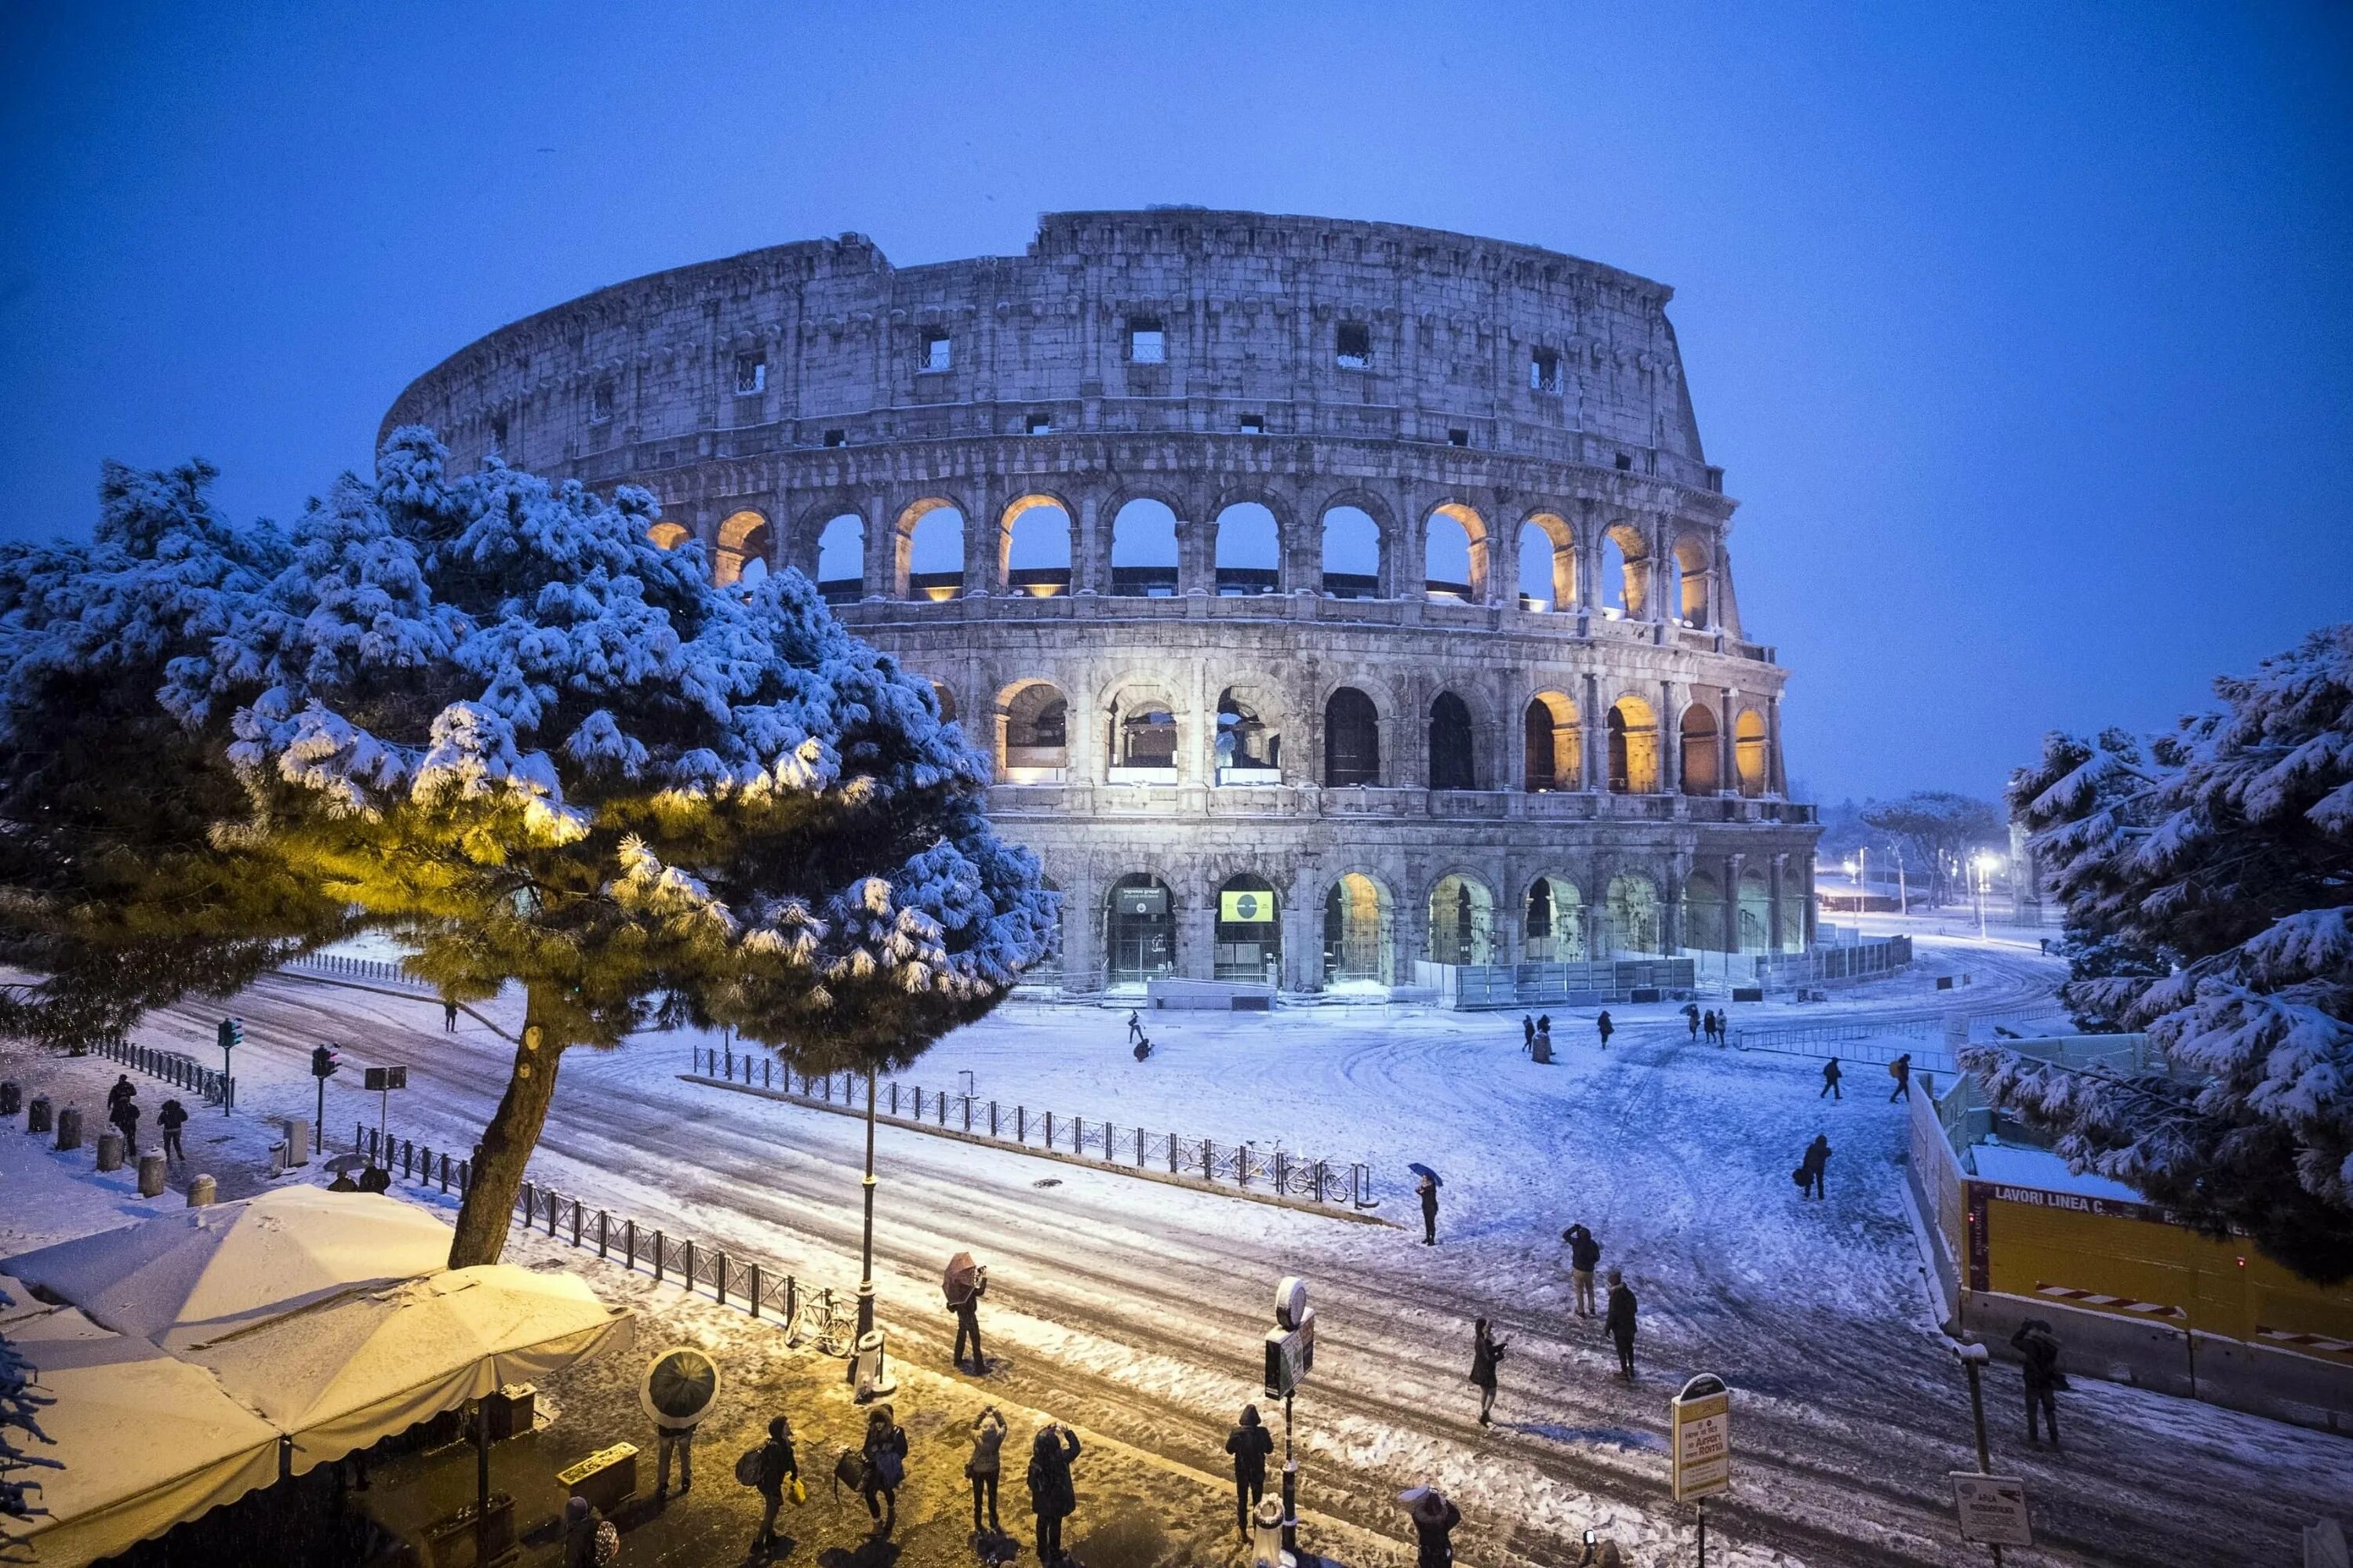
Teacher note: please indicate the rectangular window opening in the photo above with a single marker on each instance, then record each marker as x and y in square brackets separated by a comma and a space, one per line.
[836, 438]
[1254, 424]
[1353, 346]
[1543, 371]
[1041, 423]
[751, 375]
[1625, 462]
[1148, 343]
[939, 351]
[600, 403]
[499, 434]
[1458, 437]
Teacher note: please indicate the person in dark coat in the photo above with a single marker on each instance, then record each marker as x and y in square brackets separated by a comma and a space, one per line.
[450, 1018]
[1252, 1444]
[1691, 1016]
[1527, 1031]
[125, 1118]
[1134, 1028]
[1544, 1022]
[580, 1521]
[122, 1090]
[1707, 1026]
[1830, 1075]
[1603, 1027]
[172, 1118]
[986, 1464]
[1428, 1190]
[1900, 1070]
[1486, 1355]
[776, 1465]
[966, 1307]
[1053, 1496]
[1619, 1321]
[886, 1467]
[2038, 1356]
[1434, 1519]
[1812, 1167]
[1584, 1257]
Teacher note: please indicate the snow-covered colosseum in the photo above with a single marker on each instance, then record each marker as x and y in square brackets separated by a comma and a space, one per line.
[1334, 597]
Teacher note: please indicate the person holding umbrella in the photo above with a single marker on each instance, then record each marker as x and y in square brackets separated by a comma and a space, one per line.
[681, 1387]
[1434, 1519]
[965, 1283]
[1426, 1188]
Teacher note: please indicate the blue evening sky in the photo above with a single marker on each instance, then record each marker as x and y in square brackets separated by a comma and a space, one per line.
[2023, 333]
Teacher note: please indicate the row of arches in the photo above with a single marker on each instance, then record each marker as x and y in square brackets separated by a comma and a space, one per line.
[1621, 570]
[1143, 736]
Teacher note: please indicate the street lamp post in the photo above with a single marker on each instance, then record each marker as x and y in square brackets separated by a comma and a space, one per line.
[866, 1247]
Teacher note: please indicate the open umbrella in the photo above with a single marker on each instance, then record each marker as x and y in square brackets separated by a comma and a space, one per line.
[1420, 1169]
[681, 1384]
[962, 1276]
[344, 1164]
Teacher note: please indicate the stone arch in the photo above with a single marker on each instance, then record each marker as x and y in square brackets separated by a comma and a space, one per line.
[1247, 744]
[840, 565]
[668, 535]
[1461, 920]
[1748, 752]
[1037, 541]
[928, 535]
[1702, 749]
[1139, 928]
[1546, 563]
[1453, 743]
[1246, 547]
[1633, 746]
[1469, 534]
[1352, 738]
[1636, 919]
[1694, 568]
[1553, 921]
[1246, 930]
[1143, 547]
[1553, 742]
[1355, 545]
[744, 537]
[1359, 931]
[944, 695]
[1703, 914]
[1033, 733]
[1144, 731]
[1756, 913]
[1625, 571]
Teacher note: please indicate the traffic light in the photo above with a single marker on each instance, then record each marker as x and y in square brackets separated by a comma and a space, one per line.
[232, 1034]
[323, 1062]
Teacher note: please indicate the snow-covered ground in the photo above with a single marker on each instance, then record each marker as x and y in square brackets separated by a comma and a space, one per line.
[1137, 1309]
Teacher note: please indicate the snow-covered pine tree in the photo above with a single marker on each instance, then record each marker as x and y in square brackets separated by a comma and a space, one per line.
[2208, 883]
[488, 716]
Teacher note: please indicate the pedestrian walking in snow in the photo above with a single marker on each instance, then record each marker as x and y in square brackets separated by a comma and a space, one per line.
[1584, 1257]
[667, 1440]
[886, 1467]
[1486, 1356]
[1426, 1188]
[1527, 1031]
[2038, 1356]
[1810, 1169]
[1831, 1076]
[966, 1284]
[1707, 1026]
[1544, 1022]
[775, 1466]
[1134, 1028]
[987, 1462]
[172, 1118]
[122, 1090]
[581, 1525]
[1434, 1519]
[1619, 1321]
[1053, 1495]
[1691, 1016]
[450, 1018]
[1252, 1444]
[1603, 1027]
[125, 1118]
[1900, 1070]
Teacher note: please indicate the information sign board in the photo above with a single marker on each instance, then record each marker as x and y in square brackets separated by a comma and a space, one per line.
[1701, 1448]
[1993, 1509]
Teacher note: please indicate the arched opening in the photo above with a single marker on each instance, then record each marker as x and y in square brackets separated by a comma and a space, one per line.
[1249, 749]
[1694, 574]
[1143, 550]
[1038, 548]
[1143, 737]
[1633, 747]
[1793, 915]
[1139, 930]
[742, 539]
[841, 559]
[1554, 929]
[1748, 751]
[1452, 763]
[1249, 550]
[1249, 936]
[1036, 744]
[666, 536]
[1547, 564]
[1701, 750]
[1553, 744]
[1625, 573]
[1703, 914]
[1633, 914]
[1356, 937]
[946, 700]
[1352, 739]
[930, 550]
[1755, 912]
[1352, 554]
[1454, 542]
[1462, 922]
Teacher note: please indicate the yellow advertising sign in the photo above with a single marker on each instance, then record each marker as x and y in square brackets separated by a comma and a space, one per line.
[1245, 908]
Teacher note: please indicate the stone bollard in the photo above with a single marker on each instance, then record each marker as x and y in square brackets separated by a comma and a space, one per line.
[109, 1151]
[70, 1128]
[37, 1114]
[200, 1191]
[11, 1099]
[151, 1175]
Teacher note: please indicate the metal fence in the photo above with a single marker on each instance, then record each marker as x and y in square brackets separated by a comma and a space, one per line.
[1115, 1145]
[379, 971]
[1861, 960]
[1858, 1042]
[180, 1071]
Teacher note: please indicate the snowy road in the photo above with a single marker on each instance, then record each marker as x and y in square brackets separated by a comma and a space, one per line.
[1137, 1309]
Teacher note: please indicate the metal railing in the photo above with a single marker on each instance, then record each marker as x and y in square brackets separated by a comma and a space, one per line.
[180, 1071]
[1863, 960]
[1117, 1146]
[1858, 1042]
[338, 966]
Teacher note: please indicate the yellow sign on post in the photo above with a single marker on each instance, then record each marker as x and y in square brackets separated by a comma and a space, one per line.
[1701, 1419]
[1245, 908]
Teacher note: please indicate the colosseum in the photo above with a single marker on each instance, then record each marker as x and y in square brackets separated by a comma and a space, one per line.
[1347, 606]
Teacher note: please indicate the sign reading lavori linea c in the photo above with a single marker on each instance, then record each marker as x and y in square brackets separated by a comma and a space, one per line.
[1701, 1421]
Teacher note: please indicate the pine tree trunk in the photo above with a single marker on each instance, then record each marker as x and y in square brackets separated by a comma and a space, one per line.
[508, 1140]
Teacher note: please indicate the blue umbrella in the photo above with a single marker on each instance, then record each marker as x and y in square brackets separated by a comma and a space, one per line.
[1420, 1169]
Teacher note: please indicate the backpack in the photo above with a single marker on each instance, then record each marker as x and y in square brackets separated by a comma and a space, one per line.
[1798, 1176]
[890, 1469]
[747, 1468]
[609, 1544]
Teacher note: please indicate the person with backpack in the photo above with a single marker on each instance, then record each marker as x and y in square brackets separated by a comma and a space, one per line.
[1811, 1169]
[772, 1467]
[1486, 1357]
[1053, 1495]
[125, 1118]
[2037, 1344]
[986, 1464]
[589, 1539]
[886, 1468]
[172, 1118]
[1584, 1257]
[1252, 1444]
[1900, 1070]
[1831, 1076]
[1603, 1027]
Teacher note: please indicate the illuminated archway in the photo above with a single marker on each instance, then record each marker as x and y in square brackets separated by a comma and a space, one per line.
[744, 537]
[1633, 914]
[1748, 758]
[1552, 743]
[1462, 921]
[1357, 941]
[1633, 747]
[1553, 929]
[1036, 543]
[1702, 749]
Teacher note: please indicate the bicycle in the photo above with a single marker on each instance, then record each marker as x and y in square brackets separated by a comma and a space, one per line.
[825, 1320]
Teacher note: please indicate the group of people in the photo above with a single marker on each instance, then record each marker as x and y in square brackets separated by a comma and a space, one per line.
[122, 1113]
[1715, 1025]
[1618, 1318]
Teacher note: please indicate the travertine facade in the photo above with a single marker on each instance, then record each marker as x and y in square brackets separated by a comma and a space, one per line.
[1347, 696]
